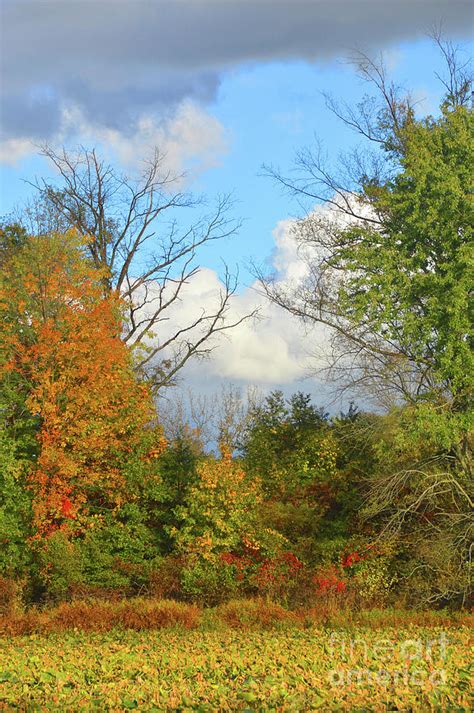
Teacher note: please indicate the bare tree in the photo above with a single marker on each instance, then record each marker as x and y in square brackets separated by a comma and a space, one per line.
[377, 259]
[135, 238]
[354, 356]
[379, 119]
[457, 80]
[378, 361]
[212, 420]
[430, 505]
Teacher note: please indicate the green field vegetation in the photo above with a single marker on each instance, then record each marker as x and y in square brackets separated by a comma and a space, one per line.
[284, 669]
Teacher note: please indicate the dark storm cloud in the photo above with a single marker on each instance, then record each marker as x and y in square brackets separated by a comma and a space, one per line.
[27, 115]
[118, 107]
[116, 58]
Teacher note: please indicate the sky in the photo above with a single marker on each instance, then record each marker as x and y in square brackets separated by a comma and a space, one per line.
[222, 87]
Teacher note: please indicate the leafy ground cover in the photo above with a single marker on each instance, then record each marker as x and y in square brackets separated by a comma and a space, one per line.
[286, 668]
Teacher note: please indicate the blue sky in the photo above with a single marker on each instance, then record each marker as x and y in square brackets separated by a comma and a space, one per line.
[226, 87]
[268, 111]
[273, 110]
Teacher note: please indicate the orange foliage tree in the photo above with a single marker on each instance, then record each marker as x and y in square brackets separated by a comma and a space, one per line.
[64, 339]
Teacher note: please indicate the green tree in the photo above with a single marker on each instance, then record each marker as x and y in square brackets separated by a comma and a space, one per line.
[18, 427]
[391, 270]
[15, 509]
[282, 442]
[291, 447]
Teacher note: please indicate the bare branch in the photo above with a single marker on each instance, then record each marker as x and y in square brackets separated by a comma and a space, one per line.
[147, 256]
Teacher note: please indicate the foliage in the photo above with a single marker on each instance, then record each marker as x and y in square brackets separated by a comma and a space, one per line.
[118, 550]
[286, 669]
[19, 427]
[309, 498]
[422, 501]
[254, 614]
[15, 508]
[206, 580]
[220, 509]
[164, 579]
[301, 508]
[81, 384]
[390, 268]
[101, 615]
[390, 263]
[277, 576]
[374, 582]
[134, 241]
[285, 443]
[177, 467]
[60, 565]
[10, 596]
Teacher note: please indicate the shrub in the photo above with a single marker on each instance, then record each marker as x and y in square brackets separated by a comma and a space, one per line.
[220, 509]
[60, 565]
[332, 593]
[164, 578]
[118, 550]
[208, 581]
[9, 595]
[97, 615]
[369, 571]
[373, 582]
[254, 613]
[277, 577]
[158, 615]
[330, 581]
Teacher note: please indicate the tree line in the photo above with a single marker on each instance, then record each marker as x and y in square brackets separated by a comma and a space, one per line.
[98, 495]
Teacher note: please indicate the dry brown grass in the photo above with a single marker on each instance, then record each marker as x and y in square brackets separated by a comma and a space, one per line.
[142, 613]
[383, 618]
[99, 615]
[9, 595]
[254, 613]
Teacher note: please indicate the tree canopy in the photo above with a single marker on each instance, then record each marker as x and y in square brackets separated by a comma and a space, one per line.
[390, 274]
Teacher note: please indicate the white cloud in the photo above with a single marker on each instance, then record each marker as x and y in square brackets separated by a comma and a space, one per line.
[190, 140]
[267, 350]
[285, 259]
[275, 350]
[13, 150]
[271, 350]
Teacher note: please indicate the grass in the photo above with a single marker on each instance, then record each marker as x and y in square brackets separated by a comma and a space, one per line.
[289, 666]
[100, 615]
[143, 613]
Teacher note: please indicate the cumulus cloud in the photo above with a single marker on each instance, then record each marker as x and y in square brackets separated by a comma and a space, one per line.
[266, 350]
[275, 350]
[13, 150]
[121, 62]
[286, 259]
[271, 350]
[190, 140]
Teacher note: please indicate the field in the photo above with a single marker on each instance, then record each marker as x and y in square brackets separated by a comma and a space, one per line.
[285, 668]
